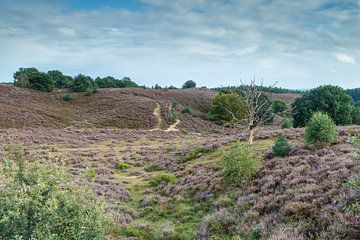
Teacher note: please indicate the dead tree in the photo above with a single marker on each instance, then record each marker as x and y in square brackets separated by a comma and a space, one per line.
[257, 107]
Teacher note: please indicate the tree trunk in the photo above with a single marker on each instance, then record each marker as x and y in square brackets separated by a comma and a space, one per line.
[251, 136]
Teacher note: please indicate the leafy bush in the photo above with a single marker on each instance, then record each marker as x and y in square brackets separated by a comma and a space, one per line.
[287, 123]
[328, 99]
[38, 202]
[279, 107]
[320, 130]
[163, 178]
[90, 174]
[189, 84]
[240, 163]
[68, 98]
[281, 147]
[173, 117]
[174, 103]
[194, 154]
[225, 105]
[189, 110]
[122, 166]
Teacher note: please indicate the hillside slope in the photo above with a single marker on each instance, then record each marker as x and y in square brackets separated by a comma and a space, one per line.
[123, 108]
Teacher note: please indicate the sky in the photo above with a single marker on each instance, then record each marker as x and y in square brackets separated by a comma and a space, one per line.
[299, 44]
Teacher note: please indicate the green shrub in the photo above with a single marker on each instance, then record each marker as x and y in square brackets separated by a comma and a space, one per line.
[194, 154]
[287, 123]
[170, 148]
[90, 174]
[174, 103]
[240, 163]
[279, 107]
[320, 130]
[173, 117]
[68, 98]
[32, 78]
[281, 147]
[163, 178]
[122, 166]
[189, 110]
[82, 83]
[38, 202]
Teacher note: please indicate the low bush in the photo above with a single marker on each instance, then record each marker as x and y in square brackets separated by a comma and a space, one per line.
[122, 166]
[240, 163]
[68, 98]
[189, 110]
[163, 178]
[152, 167]
[281, 147]
[194, 154]
[90, 174]
[320, 130]
[287, 123]
[38, 202]
[173, 117]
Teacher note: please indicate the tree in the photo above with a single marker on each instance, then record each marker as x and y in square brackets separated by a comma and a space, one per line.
[83, 83]
[189, 84]
[226, 107]
[59, 79]
[320, 130]
[126, 82]
[328, 99]
[32, 78]
[355, 114]
[106, 82]
[279, 107]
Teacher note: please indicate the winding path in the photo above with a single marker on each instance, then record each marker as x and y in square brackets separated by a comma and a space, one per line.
[157, 114]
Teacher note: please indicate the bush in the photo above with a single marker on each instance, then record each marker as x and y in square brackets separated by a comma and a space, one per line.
[328, 99]
[287, 123]
[194, 154]
[281, 147]
[122, 166]
[90, 174]
[279, 107]
[320, 130]
[188, 110]
[225, 102]
[189, 84]
[38, 202]
[240, 163]
[68, 98]
[173, 117]
[163, 178]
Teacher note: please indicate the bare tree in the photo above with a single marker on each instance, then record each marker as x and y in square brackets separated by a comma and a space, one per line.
[257, 107]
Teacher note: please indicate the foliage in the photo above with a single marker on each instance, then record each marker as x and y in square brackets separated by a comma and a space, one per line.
[189, 84]
[37, 202]
[240, 163]
[161, 178]
[354, 93]
[320, 130]
[106, 82]
[152, 167]
[261, 88]
[32, 78]
[83, 83]
[122, 166]
[59, 79]
[328, 99]
[355, 115]
[189, 110]
[287, 123]
[90, 174]
[68, 98]
[226, 106]
[281, 147]
[157, 86]
[194, 154]
[173, 117]
[279, 107]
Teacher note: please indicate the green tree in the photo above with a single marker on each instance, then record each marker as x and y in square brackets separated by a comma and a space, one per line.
[38, 202]
[328, 99]
[32, 78]
[189, 84]
[106, 82]
[355, 114]
[281, 147]
[320, 130]
[126, 82]
[226, 107]
[83, 83]
[59, 79]
[279, 107]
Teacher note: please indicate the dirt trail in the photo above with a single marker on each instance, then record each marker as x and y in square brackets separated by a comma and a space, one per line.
[157, 114]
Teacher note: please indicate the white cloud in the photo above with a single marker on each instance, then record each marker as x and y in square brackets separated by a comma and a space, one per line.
[342, 57]
[67, 32]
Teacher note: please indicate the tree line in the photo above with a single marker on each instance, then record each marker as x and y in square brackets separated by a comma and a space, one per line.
[47, 82]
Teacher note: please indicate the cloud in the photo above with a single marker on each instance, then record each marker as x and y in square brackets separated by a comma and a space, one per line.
[67, 32]
[344, 58]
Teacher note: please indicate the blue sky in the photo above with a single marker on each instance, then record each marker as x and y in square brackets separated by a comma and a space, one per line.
[298, 43]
